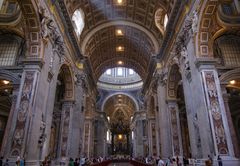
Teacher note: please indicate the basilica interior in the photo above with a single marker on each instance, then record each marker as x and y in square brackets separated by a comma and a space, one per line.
[131, 78]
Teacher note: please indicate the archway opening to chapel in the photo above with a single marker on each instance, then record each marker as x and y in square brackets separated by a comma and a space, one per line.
[119, 110]
[183, 122]
[227, 50]
[54, 143]
[5, 106]
[233, 90]
[176, 92]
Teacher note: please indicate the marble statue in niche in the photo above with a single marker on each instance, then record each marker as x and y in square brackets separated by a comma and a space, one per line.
[194, 22]
[44, 17]
[184, 54]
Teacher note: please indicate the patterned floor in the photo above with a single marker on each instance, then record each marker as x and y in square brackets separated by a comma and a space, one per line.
[120, 164]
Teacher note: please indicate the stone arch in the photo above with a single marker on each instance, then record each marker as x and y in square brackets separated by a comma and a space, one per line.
[66, 73]
[32, 27]
[14, 78]
[120, 93]
[228, 76]
[230, 92]
[8, 104]
[174, 77]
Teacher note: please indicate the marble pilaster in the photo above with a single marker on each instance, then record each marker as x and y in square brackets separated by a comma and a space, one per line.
[217, 113]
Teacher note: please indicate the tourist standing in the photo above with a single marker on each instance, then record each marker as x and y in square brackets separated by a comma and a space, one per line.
[18, 161]
[219, 161]
[71, 163]
[160, 162]
[1, 161]
[22, 162]
[168, 161]
[6, 163]
[209, 161]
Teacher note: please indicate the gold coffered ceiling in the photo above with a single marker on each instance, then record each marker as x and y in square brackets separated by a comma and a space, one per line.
[141, 38]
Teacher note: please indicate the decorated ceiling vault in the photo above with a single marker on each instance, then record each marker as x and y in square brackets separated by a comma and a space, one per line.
[119, 77]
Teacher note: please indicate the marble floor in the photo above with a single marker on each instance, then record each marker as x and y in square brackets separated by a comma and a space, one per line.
[120, 164]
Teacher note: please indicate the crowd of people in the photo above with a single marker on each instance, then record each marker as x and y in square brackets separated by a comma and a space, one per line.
[20, 161]
[151, 161]
[176, 161]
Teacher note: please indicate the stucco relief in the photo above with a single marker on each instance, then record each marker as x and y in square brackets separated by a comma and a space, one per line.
[23, 110]
[175, 138]
[214, 107]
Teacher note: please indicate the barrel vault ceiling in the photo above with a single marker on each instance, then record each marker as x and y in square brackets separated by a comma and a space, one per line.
[141, 38]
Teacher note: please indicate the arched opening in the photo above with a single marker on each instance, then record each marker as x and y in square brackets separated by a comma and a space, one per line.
[54, 143]
[64, 92]
[119, 110]
[176, 93]
[11, 51]
[183, 122]
[161, 20]
[6, 89]
[233, 89]
[78, 21]
[226, 48]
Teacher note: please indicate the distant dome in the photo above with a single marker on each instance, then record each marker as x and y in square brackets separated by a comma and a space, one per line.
[120, 77]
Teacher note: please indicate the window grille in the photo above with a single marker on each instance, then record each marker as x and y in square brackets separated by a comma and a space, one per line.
[8, 53]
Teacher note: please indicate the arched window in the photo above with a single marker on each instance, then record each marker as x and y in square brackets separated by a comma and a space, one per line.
[165, 21]
[161, 19]
[78, 21]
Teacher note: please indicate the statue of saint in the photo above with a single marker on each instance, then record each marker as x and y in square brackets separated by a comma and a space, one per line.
[185, 57]
[194, 21]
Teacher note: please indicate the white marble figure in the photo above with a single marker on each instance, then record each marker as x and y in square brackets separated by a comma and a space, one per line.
[185, 58]
[194, 21]
[44, 22]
